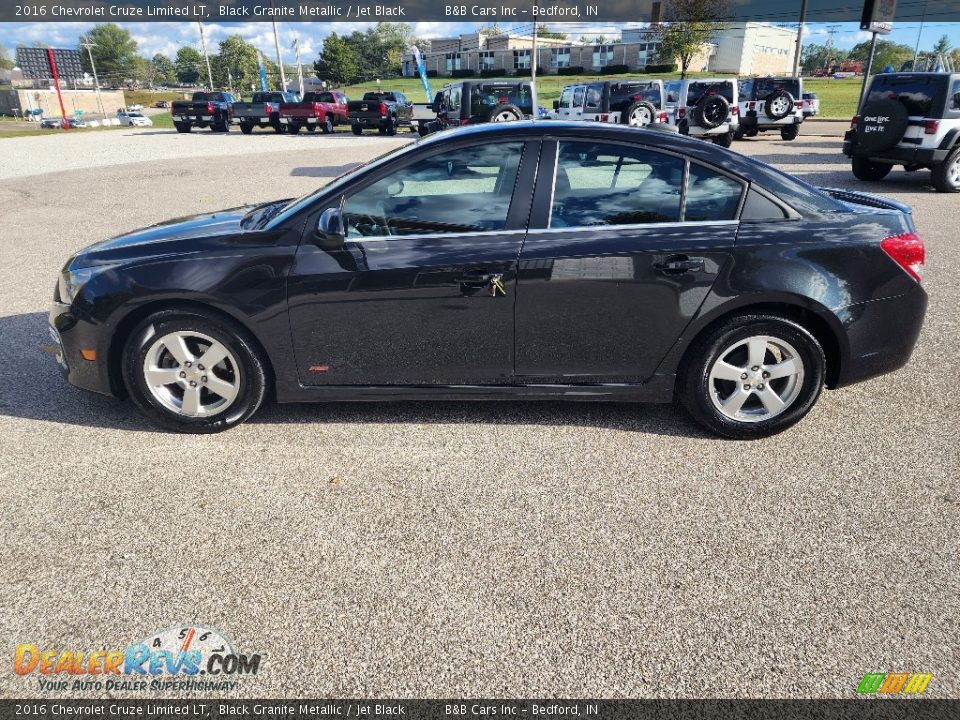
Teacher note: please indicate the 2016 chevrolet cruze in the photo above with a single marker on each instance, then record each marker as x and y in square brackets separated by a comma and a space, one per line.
[524, 260]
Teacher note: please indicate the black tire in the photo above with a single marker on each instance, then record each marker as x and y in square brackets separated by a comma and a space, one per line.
[253, 373]
[683, 127]
[311, 128]
[790, 132]
[293, 129]
[699, 393]
[738, 133]
[778, 105]
[503, 113]
[864, 169]
[639, 111]
[880, 125]
[945, 177]
[183, 127]
[327, 126]
[725, 140]
[279, 128]
[390, 128]
[711, 111]
[246, 128]
[357, 130]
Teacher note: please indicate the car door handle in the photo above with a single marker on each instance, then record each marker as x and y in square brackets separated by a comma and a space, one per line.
[679, 264]
[477, 279]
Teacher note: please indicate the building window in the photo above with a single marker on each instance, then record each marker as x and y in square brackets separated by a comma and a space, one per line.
[560, 58]
[487, 61]
[453, 61]
[602, 55]
[521, 59]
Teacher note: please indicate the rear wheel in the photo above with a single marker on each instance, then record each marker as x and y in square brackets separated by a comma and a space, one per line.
[183, 127]
[293, 129]
[864, 169]
[311, 128]
[790, 132]
[752, 376]
[357, 130]
[191, 373]
[945, 177]
[246, 128]
[725, 140]
[328, 125]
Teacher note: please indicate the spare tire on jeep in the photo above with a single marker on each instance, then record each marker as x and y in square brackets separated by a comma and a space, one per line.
[880, 126]
[711, 111]
[778, 105]
[503, 113]
[639, 114]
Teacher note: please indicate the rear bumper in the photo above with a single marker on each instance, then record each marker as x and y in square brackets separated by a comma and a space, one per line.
[368, 122]
[896, 155]
[749, 121]
[70, 335]
[881, 335]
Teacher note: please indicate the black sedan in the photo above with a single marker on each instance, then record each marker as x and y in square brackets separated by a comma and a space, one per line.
[516, 261]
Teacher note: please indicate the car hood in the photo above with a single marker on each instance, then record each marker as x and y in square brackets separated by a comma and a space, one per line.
[223, 229]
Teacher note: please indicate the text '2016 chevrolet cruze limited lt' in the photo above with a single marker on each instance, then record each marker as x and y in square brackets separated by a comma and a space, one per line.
[516, 261]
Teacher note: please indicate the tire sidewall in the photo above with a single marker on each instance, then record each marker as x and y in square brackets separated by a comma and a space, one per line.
[695, 391]
[253, 379]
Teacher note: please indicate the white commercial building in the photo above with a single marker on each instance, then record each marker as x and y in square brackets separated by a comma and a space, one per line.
[754, 49]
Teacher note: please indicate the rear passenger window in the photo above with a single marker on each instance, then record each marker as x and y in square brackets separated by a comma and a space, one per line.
[758, 208]
[711, 196]
[606, 184]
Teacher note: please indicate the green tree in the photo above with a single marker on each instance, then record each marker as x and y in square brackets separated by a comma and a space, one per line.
[114, 51]
[690, 24]
[943, 46]
[5, 62]
[189, 66]
[337, 62]
[236, 64]
[545, 32]
[888, 53]
[164, 71]
[818, 56]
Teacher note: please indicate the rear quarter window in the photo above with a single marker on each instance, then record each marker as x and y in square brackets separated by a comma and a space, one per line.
[697, 90]
[922, 95]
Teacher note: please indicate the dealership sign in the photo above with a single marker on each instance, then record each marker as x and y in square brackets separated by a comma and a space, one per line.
[878, 16]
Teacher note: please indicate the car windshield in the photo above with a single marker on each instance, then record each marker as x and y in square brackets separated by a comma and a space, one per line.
[292, 208]
[697, 90]
[762, 87]
[922, 95]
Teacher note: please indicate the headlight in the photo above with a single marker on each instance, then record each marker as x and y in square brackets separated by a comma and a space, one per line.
[72, 280]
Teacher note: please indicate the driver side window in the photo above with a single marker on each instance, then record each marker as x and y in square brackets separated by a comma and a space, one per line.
[458, 191]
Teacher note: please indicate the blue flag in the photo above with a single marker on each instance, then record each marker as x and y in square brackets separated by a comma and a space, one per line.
[263, 73]
[422, 69]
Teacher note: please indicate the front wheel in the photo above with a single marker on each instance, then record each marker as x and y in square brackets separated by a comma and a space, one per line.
[752, 376]
[189, 373]
[863, 169]
[945, 177]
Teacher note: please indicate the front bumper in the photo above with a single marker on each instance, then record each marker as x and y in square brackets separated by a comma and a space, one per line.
[881, 335]
[896, 155]
[70, 335]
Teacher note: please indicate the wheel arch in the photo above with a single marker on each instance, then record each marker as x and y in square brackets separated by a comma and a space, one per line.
[815, 318]
[128, 322]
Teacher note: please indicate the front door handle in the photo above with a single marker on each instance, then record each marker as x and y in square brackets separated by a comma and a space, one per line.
[476, 279]
[679, 264]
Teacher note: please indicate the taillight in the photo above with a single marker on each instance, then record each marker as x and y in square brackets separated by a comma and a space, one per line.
[854, 121]
[267, 108]
[210, 108]
[907, 251]
[383, 108]
[930, 127]
[751, 106]
[734, 109]
[663, 117]
[464, 122]
[603, 118]
[316, 108]
[681, 112]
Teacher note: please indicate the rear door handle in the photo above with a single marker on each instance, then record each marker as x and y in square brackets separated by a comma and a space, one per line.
[679, 264]
[478, 279]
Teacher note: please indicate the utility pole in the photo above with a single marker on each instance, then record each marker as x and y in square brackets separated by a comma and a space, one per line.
[276, 42]
[96, 81]
[296, 44]
[203, 43]
[799, 49]
[916, 51]
[533, 69]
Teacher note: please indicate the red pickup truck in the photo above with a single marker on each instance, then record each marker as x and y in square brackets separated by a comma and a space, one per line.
[325, 110]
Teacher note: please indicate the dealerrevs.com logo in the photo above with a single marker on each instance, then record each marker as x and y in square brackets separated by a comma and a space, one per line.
[191, 658]
[894, 683]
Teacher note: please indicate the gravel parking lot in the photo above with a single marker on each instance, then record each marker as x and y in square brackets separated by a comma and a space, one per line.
[477, 550]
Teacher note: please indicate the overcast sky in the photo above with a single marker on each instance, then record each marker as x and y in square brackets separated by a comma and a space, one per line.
[157, 37]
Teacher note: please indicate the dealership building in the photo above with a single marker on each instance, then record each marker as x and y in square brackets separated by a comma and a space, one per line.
[740, 49]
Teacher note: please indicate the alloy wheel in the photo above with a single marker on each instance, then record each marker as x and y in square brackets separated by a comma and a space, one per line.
[953, 172]
[640, 117]
[756, 379]
[191, 374]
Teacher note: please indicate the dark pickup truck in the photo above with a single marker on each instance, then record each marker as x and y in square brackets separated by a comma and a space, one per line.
[475, 102]
[385, 111]
[325, 110]
[262, 111]
[206, 109]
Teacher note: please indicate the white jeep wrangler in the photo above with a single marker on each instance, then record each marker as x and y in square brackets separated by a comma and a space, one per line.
[704, 108]
[770, 103]
[908, 119]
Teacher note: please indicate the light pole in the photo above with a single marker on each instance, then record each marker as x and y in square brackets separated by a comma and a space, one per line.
[203, 43]
[276, 42]
[799, 48]
[96, 82]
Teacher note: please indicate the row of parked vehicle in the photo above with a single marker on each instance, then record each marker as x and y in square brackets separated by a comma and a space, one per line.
[387, 112]
[717, 109]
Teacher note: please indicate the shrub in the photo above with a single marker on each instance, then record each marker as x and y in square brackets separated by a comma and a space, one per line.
[573, 70]
[463, 73]
[492, 72]
[663, 68]
[616, 69]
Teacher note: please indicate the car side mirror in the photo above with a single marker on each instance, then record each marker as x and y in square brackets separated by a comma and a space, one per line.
[556, 104]
[330, 234]
[437, 105]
